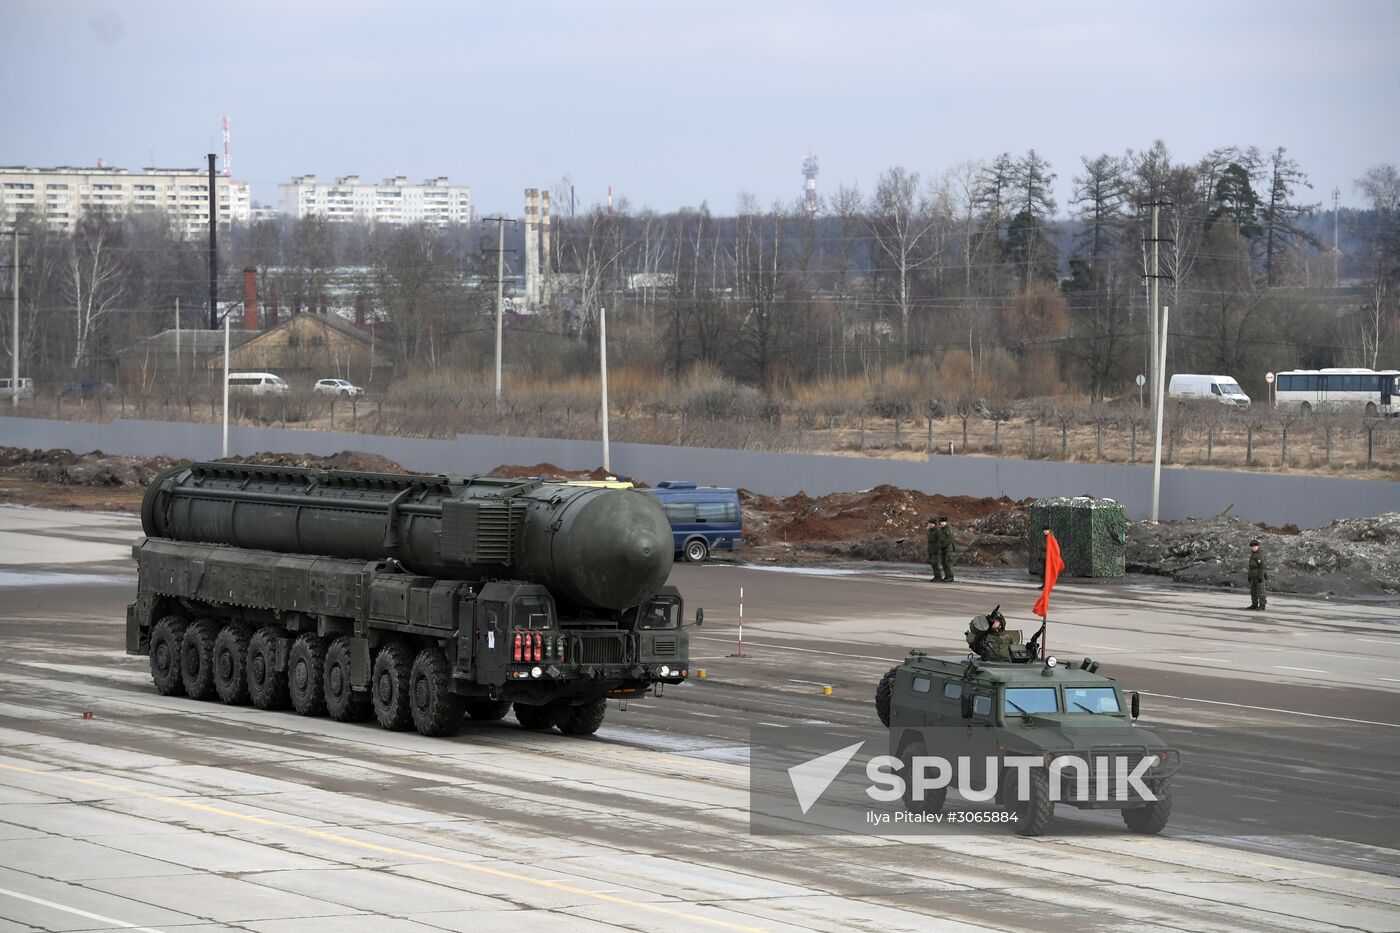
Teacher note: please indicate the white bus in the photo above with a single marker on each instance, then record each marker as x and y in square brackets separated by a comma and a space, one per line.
[1373, 391]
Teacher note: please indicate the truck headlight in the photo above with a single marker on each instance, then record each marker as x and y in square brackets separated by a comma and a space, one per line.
[536, 671]
[665, 670]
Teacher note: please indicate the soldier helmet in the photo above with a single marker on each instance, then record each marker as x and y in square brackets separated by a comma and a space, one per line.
[1254, 543]
[931, 519]
[942, 518]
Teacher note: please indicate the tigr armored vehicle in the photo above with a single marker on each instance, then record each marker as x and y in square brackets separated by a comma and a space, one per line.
[964, 705]
[417, 598]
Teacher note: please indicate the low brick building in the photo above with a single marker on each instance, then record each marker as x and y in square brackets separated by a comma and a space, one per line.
[309, 347]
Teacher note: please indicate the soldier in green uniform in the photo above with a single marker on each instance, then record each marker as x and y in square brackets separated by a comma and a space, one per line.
[1258, 575]
[987, 636]
[942, 545]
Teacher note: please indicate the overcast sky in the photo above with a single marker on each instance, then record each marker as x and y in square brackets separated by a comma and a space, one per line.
[677, 103]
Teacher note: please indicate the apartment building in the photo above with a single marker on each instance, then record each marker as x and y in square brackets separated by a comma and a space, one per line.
[394, 201]
[61, 195]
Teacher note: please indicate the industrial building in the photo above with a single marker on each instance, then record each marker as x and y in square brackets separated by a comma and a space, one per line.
[394, 201]
[59, 196]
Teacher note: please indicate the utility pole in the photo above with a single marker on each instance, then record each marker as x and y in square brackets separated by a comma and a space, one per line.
[1336, 241]
[225, 445]
[603, 360]
[500, 290]
[1155, 362]
[177, 338]
[1157, 446]
[14, 336]
[213, 249]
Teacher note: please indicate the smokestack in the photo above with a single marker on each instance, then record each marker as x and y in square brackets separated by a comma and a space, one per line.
[532, 248]
[544, 247]
[250, 298]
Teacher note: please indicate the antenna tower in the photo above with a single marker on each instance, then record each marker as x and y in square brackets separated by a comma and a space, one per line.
[809, 171]
[226, 155]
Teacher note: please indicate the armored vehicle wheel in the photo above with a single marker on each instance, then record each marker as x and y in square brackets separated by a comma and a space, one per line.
[342, 702]
[1034, 814]
[882, 696]
[934, 800]
[267, 686]
[197, 659]
[436, 709]
[584, 719]
[166, 640]
[1153, 817]
[539, 718]
[231, 663]
[389, 687]
[305, 669]
[487, 710]
[696, 550]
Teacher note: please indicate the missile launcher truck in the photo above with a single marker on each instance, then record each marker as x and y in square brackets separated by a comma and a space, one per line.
[417, 599]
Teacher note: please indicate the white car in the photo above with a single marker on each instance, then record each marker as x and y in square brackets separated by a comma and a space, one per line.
[341, 387]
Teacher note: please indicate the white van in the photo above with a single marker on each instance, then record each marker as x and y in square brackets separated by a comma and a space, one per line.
[257, 384]
[1222, 389]
[9, 388]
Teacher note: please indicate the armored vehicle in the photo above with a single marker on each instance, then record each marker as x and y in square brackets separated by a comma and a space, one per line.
[1074, 721]
[419, 599]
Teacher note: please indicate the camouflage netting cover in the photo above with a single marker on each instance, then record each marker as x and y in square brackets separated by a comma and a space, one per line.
[1092, 535]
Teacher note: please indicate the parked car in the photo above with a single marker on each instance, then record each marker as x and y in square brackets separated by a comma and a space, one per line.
[257, 384]
[341, 387]
[9, 388]
[89, 390]
[703, 518]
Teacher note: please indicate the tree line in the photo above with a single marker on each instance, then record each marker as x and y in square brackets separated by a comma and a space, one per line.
[976, 274]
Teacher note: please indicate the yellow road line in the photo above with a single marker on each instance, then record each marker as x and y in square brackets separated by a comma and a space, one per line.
[390, 850]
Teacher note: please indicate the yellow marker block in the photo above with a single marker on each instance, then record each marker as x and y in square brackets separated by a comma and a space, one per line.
[826, 691]
[701, 673]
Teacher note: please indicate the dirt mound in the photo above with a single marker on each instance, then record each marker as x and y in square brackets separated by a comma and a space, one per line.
[344, 460]
[1349, 557]
[548, 471]
[65, 468]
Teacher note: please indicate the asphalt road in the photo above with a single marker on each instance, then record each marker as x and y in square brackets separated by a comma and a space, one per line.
[171, 814]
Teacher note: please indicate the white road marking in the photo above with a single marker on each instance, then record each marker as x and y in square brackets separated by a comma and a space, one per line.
[1372, 641]
[1393, 680]
[1271, 709]
[1106, 648]
[121, 924]
[1187, 657]
[1308, 670]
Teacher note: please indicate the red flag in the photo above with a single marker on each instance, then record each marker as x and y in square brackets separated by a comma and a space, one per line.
[1053, 565]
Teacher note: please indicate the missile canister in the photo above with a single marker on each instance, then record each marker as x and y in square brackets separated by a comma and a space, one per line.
[593, 547]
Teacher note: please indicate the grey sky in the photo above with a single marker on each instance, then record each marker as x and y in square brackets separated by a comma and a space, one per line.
[677, 103]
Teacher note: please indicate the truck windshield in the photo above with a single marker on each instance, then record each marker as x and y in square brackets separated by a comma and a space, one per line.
[1231, 388]
[1029, 700]
[660, 613]
[531, 612]
[1091, 700]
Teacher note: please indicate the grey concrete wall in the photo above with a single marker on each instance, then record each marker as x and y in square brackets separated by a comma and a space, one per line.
[1307, 501]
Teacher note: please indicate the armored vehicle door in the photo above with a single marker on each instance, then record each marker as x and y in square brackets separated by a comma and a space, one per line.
[491, 626]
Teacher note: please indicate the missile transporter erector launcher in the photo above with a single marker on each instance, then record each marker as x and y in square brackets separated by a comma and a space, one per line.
[419, 599]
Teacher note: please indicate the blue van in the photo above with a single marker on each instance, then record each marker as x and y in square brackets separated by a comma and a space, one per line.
[703, 518]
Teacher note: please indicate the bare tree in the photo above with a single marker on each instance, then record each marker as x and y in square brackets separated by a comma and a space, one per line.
[93, 280]
[901, 223]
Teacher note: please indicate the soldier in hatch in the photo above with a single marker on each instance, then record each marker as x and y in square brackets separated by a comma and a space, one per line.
[988, 638]
[1258, 576]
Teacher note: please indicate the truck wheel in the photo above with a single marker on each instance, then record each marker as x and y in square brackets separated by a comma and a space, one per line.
[487, 710]
[197, 659]
[436, 709]
[306, 665]
[231, 664]
[584, 719]
[539, 718]
[882, 696]
[342, 702]
[389, 687]
[166, 640]
[1034, 814]
[696, 550]
[267, 686]
[1152, 818]
[934, 800]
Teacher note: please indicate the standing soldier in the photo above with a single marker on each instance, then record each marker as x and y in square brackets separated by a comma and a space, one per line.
[941, 547]
[1258, 574]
